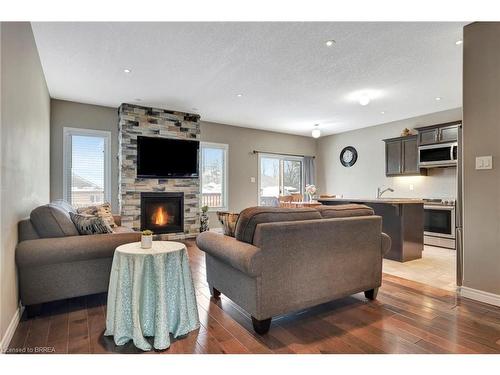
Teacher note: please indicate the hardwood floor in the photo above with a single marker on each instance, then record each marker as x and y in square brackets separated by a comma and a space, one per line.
[407, 317]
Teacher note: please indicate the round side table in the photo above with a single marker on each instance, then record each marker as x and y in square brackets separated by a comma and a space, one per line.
[151, 293]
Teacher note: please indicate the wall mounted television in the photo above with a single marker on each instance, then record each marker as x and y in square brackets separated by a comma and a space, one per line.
[167, 158]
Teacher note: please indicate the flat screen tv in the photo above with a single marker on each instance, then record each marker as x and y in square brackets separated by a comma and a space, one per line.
[167, 158]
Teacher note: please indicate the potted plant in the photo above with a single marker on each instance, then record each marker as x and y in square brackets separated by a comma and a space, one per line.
[204, 219]
[310, 191]
[146, 239]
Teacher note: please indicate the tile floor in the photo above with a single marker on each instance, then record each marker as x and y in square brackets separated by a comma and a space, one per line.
[436, 268]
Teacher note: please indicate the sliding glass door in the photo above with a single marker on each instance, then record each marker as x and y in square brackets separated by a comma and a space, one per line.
[279, 175]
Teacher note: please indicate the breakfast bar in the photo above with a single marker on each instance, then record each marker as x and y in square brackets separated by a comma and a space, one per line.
[402, 220]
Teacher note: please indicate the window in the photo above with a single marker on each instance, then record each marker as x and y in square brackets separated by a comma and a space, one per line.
[214, 175]
[87, 167]
[279, 175]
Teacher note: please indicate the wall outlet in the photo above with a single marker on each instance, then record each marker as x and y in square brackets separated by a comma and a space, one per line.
[252, 180]
[484, 162]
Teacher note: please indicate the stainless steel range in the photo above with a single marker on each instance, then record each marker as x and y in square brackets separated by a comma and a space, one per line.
[440, 223]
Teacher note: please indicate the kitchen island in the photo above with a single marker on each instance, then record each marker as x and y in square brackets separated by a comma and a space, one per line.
[402, 220]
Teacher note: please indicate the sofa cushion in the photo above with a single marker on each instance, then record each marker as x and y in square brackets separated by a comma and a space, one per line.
[344, 210]
[64, 205]
[250, 217]
[123, 230]
[52, 220]
[90, 224]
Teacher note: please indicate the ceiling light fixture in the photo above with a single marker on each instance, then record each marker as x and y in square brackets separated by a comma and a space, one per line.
[438, 98]
[364, 99]
[458, 42]
[316, 133]
[382, 113]
[330, 42]
[239, 95]
[127, 70]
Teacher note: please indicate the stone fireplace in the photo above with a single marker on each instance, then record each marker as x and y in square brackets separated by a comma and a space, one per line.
[162, 212]
[137, 121]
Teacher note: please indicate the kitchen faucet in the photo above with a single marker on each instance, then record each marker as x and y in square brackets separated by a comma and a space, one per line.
[380, 192]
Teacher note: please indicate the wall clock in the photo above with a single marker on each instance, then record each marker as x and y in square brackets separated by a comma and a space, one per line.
[348, 156]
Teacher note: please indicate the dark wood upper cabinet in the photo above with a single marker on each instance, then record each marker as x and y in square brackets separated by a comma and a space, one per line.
[410, 155]
[439, 133]
[393, 165]
[428, 136]
[401, 157]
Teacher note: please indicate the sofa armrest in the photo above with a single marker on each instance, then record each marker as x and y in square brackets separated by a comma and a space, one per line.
[70, 249]
[240, 255]
[386, 244]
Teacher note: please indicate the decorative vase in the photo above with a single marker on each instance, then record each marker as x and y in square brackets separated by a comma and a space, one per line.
[204, 222]
[311, 197]
[146, 241]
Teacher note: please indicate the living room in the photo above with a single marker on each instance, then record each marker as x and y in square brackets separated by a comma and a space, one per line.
[282, 223]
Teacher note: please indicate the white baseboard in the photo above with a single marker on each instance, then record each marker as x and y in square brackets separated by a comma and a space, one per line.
[479, 295]
[9, 333]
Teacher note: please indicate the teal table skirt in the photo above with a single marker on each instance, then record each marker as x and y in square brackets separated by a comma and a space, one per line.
[150, 295]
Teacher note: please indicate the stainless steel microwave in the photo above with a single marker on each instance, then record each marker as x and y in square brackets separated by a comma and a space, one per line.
[438, 155]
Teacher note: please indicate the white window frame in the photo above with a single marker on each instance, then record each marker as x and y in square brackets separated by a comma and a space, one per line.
[68, 132]
[281, 157]
[225, 192]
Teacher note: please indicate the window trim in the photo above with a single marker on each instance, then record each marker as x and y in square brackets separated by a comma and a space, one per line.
[68, 132]
[225, 192]
[281, 157]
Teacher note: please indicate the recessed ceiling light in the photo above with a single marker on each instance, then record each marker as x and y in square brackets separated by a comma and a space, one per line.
[316, 133]
[138, 99]
[458, 42]
[127, 70]
[194, 109]
[364, 99]
[382, 113]
[330, 42]
[239, 95]
[438, 98]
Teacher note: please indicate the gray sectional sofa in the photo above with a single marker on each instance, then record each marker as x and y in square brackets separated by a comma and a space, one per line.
[282, 260]
[55, 262]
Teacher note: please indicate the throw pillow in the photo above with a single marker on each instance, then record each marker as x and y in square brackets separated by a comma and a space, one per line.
[102, 210]
[228, 221]
[89, 224]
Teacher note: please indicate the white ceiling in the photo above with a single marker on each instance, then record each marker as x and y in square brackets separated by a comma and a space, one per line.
[288, 77]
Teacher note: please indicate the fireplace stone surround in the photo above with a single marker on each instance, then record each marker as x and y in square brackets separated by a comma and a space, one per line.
[136, 121]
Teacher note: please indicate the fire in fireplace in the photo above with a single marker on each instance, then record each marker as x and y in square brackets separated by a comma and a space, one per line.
[162, 212]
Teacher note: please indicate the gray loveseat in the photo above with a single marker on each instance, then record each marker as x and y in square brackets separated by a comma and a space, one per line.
[282, 260]
[55, 262]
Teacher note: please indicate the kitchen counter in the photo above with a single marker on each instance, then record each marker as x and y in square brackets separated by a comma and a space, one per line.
[374, 200]
[402, 220]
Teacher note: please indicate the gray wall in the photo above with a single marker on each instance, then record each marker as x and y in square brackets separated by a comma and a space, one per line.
[362, 179]
[25, 129]
[243, 164]
[77, 115]
[481, 133]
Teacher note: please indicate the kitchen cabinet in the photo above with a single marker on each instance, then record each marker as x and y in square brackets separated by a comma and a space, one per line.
[439, 133]
[401, 157]
[428, 136]
[402, 220]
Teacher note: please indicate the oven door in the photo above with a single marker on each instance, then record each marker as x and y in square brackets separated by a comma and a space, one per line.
[439, 155]
[439, 221]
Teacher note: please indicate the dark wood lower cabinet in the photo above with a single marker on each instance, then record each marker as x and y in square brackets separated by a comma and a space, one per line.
[403, 222]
